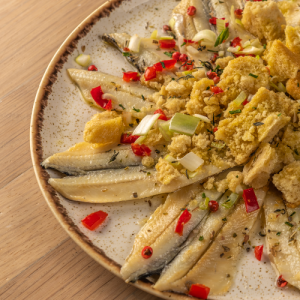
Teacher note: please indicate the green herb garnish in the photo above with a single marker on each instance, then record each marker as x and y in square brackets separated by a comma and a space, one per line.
[232, 112]
[183, 44]
[126, 54]
[163, 64]
[136, 109]
[234, 235]
[169, 54]
[114, 156]
[292, 214]
[278, 233]
[121, 106]
[203, 195]
[201, 238]
[289, 224]
[143, 97]
[222, 37]
[252, 75]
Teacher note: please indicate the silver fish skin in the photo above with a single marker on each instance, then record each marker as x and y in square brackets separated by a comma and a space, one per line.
[282, 248]
[78, 164]
[122, 184]
[146, 57]
[168, 244]
[208, 229]
[221, 258]
[128, 94]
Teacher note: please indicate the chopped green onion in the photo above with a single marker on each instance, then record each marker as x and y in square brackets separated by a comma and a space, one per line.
[145, 125]
[206, 36]
[257, 57]
[83, 60]
[240, 99]
[134, 43]
[237, 21]
[203, 195]
[231, 200]
[191, 161]
[220, 25]
[172, 160]
[202, 118]
[184, 124]
[217, 145]
[187, 72]
[192, 174]
[204, 205]
[143, 97]
[252, 75]
[140, 139]
[289, 224]
[281, 87]
[126, 54]
[163, 64]
[222, 37]
[122, 106]
[232, 112]
[201, 238]
[278, 233]
[163, 127]
[183, 44]
[136, 109]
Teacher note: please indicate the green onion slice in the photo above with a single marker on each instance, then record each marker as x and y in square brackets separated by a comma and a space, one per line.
[163, 127]
[222, 37]
[231, 200]
[202, 118]
[184, 124]
[204, 205]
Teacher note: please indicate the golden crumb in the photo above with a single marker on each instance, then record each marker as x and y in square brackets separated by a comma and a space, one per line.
[224, 61]
[165, 171]
[292, 38]
[293, 87]
[235, 179]
[148, 161]
[180, 145]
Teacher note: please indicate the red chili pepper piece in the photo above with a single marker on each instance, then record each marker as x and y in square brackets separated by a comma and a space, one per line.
[281, 282]
[216, 79]
[236, 42]
[258, 252]
[189, 41]
[165, 64]
[214, 58]
[213, 21]
[97, 96]
[166, 28]
[167, 44]
[238, 13]
[162, 115]
[150, 73]
[211, 75]
[94, 220]
[183, 219]
[189, 65]
[199, 291]
[268, 70]
[126, 49]
[140, 150]
[213, 205]
[92, 68]
[176, 55]
[215, 129]
[245, 102]
[216, 89]
[183, 57]
[131, 76]
[147, 252]
[191, 10]
[158, 67]
[250, 200]
[128, 139]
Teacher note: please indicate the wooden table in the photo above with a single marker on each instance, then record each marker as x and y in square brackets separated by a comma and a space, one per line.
[38, 260]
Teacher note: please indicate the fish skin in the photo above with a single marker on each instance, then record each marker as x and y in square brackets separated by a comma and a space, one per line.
[145, 58]
[211, 270]
[76, 164]
[168, 244]
[112, 185]
[284, 256]
[190, 254]
[128, 94]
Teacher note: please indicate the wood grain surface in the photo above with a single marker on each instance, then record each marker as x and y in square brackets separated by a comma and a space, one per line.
[38, 260]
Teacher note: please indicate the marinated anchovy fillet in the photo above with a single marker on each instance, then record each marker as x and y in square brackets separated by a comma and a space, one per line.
[294, 218]
[189, 255]
[218, 266]
[124, 184]
[128, 94]
[169, 243]
[146, 57]
[73, 163]
[281, 240]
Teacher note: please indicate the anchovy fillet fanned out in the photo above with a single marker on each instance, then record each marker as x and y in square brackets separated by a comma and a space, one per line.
[188, 256]
[218, 266]
[169, 243]
[281, 241]
[147, 55]
[294, 217]
[123, 184]
[89, 159]
[128, 94]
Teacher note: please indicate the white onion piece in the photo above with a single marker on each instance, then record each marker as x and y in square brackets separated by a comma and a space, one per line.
[134, 43]
[191, 161]
[202, 118]
[146, 124]
[108, 96]
[83, 60]
[221, 53]
[206, 36]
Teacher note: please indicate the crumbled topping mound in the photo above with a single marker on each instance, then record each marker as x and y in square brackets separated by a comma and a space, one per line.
[292, 38]
[259, 121]
[264, 20]
[236, 78]
[288, 182]
[148, 161]
[258, 170]
[224, 61]
[180, 145]
[293, 87]
[282, 62]
[153, 138]
[201, 141]
[165, 171]
[156, 83]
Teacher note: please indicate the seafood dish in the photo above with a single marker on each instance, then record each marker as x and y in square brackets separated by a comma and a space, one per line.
[210, 119]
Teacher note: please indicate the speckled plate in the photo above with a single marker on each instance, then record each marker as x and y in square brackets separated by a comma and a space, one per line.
[58, 120]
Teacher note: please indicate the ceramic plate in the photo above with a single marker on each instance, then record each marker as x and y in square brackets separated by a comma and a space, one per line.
[58, 120]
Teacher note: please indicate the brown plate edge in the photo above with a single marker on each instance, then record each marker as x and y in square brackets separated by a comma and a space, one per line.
[36, 124]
